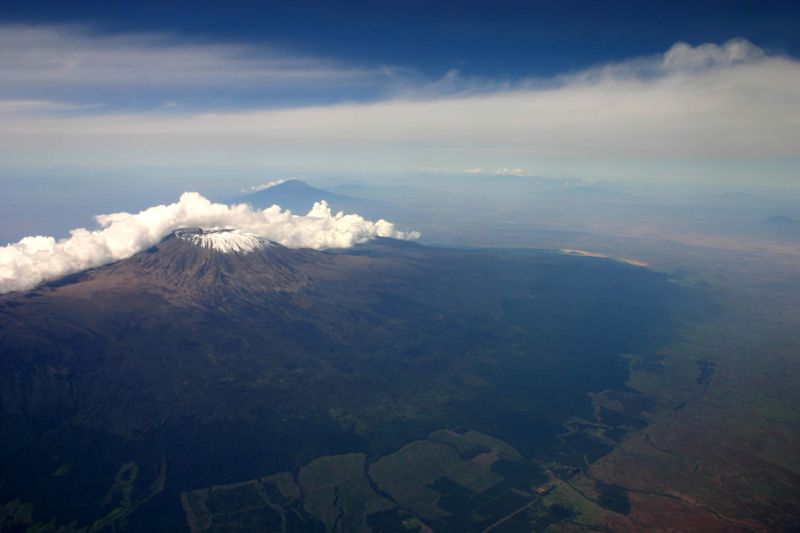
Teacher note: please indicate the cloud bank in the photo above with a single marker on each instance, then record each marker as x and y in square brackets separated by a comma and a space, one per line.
[717, 102]
[33, 260]
[694, 112]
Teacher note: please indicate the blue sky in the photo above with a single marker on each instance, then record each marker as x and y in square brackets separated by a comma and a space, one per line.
[682, 92]
[499, 39]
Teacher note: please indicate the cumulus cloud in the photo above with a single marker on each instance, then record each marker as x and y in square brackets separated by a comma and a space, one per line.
[680, 59]
[683, 56]
[33, 260]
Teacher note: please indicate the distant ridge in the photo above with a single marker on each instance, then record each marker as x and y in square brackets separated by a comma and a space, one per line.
[780, 220]
[298, 196]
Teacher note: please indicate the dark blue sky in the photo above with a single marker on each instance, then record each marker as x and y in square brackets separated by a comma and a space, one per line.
[502, 39]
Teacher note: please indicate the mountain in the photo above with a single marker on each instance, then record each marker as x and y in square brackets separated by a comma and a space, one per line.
[220, 381]
[196, 266]
[299, 197]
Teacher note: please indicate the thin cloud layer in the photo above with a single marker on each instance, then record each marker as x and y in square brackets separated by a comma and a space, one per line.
[74, 63]
[34, 260]
[267, 185]
[647, 117]
[708, 101]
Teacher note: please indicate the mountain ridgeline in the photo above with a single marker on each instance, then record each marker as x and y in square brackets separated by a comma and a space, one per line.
[218, 357]
[192, 265]
[299, 197]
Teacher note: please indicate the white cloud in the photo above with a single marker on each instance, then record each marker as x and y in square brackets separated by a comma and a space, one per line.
[505, 171]
[713, 102]
[33, 260]
[39, 107]
[474, 170]
[683, 56]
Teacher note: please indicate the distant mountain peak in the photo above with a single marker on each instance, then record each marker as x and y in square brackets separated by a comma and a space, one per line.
[297, 196]
[225, 240]
[274, 183]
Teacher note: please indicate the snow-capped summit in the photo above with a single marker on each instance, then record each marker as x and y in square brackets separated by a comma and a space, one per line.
[225, 241]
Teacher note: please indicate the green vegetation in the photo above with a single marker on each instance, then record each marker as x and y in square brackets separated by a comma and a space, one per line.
[336, 491]
[429, 483]
[267, 504]
[409, 473]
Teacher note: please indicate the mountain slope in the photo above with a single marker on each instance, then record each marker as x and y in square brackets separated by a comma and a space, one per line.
[214, 358]
[192, 265]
